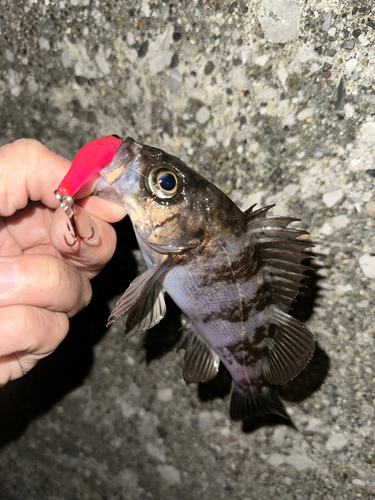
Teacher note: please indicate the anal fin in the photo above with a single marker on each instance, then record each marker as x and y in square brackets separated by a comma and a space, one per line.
[251, 404]
[201, 363]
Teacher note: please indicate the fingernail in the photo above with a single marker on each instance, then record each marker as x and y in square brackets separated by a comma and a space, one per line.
[8, 275]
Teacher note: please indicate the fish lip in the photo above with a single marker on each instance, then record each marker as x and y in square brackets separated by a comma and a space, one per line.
[124, 156]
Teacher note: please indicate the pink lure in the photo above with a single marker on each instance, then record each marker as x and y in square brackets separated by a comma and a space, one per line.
[88, 162]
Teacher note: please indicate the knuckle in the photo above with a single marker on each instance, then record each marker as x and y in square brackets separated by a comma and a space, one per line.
[82, 295]
[71, 288]
[56, 274]
[11, 157]
[87, 295]
[61, 327]
[10, 369]
[60, 286]
[46, 328]
[28, 334]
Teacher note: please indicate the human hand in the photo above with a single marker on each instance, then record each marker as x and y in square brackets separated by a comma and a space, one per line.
[43, 281]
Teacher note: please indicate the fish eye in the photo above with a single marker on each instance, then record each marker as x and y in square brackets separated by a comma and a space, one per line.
[167, 182]
[163, 183]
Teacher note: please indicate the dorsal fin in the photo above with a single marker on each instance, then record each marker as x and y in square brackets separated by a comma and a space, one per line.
[281, 253]
[260, 213]
[290, 347]
[290, 343]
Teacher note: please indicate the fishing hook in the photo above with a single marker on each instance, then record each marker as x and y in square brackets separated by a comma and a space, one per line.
[67, 204]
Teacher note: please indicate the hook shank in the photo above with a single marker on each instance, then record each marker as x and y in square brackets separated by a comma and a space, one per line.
[67, 203]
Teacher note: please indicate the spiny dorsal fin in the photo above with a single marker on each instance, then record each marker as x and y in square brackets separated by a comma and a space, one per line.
[290, 347]
[201, 363]
[260, 213]
[281, 253]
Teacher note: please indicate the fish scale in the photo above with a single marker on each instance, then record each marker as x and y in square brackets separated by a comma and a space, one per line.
[234, 275]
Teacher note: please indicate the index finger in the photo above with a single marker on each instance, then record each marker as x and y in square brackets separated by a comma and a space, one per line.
[29, 170]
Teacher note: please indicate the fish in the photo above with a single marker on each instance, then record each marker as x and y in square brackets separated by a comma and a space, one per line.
[234, 275]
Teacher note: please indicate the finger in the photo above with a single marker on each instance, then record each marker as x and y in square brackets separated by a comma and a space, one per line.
[29, 171]
[43, 281]
[11, 369]
[106, 210]
[27, 335]
[37, 171]
[29, 227]
[8, 245]
[89, 256]
[39, 218]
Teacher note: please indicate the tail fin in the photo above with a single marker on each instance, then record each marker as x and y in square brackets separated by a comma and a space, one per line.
[250, 404]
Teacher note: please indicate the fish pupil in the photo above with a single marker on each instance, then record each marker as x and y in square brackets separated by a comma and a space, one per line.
[167, 181]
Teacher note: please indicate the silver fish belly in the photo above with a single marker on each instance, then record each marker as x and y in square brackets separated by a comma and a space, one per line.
[234, 274]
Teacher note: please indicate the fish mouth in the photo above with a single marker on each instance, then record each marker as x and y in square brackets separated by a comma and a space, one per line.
[124, 156]
[119, 180]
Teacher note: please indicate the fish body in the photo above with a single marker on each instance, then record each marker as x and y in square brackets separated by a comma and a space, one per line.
[234, 274]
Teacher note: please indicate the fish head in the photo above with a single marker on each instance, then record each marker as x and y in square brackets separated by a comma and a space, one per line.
[167, 201]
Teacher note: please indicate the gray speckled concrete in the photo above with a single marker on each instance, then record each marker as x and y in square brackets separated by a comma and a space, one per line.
[274, 101]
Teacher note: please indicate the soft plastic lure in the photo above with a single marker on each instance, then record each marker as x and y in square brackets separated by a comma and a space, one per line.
[87, 164]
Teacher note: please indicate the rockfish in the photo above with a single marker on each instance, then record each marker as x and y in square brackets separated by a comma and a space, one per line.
[234, 275]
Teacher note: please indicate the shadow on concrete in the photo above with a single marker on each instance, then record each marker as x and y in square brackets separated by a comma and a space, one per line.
[24, 399]
[164, 336]
[312, 377]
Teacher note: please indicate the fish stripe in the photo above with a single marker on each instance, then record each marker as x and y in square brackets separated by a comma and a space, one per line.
[244, 266]
[235, 311]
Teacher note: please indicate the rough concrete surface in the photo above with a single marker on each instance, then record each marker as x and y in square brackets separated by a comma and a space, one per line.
[274, 101]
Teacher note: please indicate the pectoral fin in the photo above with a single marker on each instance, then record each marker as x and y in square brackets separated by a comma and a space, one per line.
[143, 302]
[147, 314]
[201, 363]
